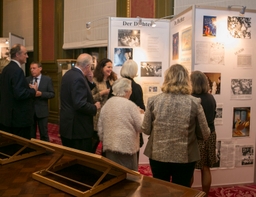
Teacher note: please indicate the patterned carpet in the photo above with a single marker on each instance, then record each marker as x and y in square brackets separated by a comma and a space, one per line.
[248, 190]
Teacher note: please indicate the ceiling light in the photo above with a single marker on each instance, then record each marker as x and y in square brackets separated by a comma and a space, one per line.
[242, 11]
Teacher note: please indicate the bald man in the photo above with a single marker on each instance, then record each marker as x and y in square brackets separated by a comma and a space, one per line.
[77, 106]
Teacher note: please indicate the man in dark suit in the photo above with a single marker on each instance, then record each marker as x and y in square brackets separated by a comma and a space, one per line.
[16, 106]
[77, 106]
[45, 91]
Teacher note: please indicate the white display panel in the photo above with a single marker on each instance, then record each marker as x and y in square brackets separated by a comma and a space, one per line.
[223, 43]
[148, 46]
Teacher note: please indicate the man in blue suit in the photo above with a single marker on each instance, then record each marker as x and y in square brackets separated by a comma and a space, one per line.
[16, 95]
[45, 92]
[77, 106]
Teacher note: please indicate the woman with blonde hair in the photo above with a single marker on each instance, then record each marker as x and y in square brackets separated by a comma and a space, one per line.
[200, 89]
[174, 120]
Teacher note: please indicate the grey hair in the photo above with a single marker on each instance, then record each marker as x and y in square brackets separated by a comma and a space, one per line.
[84, 60]
[129, 69]
[121, 86]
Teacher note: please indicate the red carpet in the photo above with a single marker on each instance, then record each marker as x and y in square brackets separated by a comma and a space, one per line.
[248, 190]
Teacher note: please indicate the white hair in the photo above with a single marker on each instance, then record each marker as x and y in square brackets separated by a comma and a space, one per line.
[121, 86]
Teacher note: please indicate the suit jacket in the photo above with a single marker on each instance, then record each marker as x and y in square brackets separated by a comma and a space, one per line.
[41, 103]
[77, 106]
[16, 107]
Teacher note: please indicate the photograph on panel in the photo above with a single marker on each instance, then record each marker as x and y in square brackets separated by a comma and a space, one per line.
[4, 53]
[241, 88]
[151, 69]
[241, 122]
[128, 37]
[214, 80]
[239, 27]
[121, 55]
[219, 114]
[209, 26]
[244, 155]
[186, 39]
[175, 46]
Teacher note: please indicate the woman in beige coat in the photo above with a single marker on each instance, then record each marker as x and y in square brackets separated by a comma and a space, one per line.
[174, 120]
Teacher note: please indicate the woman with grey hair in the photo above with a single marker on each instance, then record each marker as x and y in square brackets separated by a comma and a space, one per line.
[174, 120]
[119, 126]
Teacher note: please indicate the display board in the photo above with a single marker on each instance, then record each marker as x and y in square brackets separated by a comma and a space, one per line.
[135, 38]
[130, 38]
[222, 47]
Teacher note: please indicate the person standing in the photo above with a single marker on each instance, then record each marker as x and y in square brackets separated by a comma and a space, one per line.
[45, 91]
[174, 120]
[104, 78]
[17, 95]
[200, 89]
[119, 126]
[77, 106]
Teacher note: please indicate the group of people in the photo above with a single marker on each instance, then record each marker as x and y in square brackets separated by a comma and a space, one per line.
[179, 121]
[24, 101]
[96, 106]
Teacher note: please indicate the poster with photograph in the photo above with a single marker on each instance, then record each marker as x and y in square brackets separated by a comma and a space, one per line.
[239, 27]
[186, 39]
[241, 88]
[209, 26]
[244, 155]
[151, 69]
[150, 89]
[225, 152]
[121, 55]
[241, 122]
[175, 46]
[129, 37]
[219, 114]
[4, 53]
[214, 82]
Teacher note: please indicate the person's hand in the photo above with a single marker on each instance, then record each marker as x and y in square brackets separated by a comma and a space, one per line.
[141, 110]
[34, 86]
[104, 92]
[38, 93]
[90, 76]
[97, 104]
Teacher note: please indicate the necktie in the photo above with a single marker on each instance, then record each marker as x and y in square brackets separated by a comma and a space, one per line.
[35, 79]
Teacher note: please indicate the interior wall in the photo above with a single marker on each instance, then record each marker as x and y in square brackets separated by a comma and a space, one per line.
[18, 19]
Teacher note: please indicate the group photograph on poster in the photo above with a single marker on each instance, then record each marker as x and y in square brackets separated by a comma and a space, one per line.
[241, 88]
[239, 27]
[241, 121]
[244, 155]
[121, 55]
[151, 69]
[127, 37]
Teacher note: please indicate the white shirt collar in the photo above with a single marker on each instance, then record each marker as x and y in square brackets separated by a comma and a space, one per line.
[16, 62]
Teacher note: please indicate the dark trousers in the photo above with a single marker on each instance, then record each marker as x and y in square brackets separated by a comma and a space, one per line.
[42, 124]
[19, 131]
[179, 173]
[80, 144]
